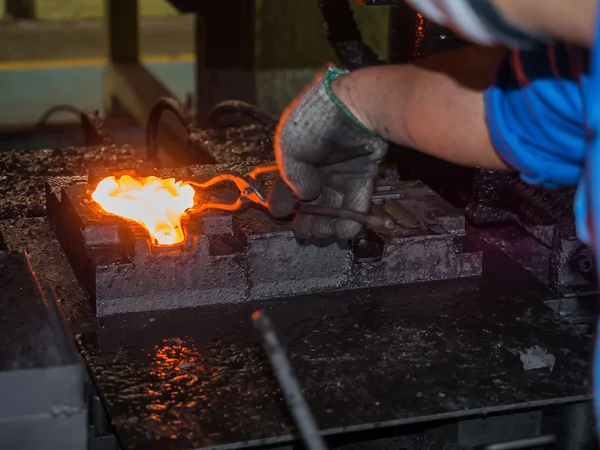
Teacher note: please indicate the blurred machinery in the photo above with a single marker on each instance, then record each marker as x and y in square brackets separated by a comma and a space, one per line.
[490, 349]
[224, 61]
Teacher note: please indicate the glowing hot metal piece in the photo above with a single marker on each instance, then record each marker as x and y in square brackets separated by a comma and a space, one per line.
[155, 203]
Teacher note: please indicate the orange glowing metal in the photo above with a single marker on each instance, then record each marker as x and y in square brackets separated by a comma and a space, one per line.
[155, 203]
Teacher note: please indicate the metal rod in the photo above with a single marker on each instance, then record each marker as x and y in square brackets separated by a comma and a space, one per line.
[289, 384]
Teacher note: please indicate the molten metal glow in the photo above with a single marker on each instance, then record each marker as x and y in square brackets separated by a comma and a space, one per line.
[155, 203]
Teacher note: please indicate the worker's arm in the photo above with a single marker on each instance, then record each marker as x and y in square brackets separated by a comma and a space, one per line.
[330, 140]
[435, 105]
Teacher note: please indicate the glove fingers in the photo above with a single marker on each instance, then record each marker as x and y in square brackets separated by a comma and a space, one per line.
[302, 226]
[303, 178]
[324, 227]
[281, 199]
[357, 198]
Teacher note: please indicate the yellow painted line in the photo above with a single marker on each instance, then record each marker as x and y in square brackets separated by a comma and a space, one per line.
[9, 66]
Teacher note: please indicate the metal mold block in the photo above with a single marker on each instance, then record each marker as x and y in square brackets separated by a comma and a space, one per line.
[278, 265]
[244, 256]
[224, 234]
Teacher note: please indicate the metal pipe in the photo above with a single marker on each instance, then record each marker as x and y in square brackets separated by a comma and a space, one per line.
[289, 384]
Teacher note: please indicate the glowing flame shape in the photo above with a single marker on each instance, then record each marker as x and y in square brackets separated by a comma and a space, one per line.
[155, 203]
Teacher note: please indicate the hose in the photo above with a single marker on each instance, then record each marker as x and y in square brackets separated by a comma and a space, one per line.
[165, 104]
[54, 110]
[92, 125]
[94, 132]
[238, 109]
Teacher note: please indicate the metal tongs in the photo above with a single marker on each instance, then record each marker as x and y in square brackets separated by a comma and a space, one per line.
[250, 193]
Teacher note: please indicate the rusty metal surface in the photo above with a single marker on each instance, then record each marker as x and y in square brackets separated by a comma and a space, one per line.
[247, 256]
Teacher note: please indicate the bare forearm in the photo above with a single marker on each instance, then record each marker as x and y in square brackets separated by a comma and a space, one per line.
[435, 106]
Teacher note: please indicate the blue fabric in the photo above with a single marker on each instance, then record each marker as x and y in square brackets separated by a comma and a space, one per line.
[543, 115]
[590, 189]
[536, 113]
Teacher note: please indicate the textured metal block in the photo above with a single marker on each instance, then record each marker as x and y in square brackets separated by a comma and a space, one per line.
[426, 258]
[168, 280]
[278, 265]
[245, 256]
[224, 234]
[547, 215]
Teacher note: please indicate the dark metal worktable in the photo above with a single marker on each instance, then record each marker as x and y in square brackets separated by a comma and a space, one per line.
[380, 357]
[372, 358]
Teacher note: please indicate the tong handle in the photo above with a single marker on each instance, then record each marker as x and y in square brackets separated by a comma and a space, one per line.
[368, 220]
[282, 203]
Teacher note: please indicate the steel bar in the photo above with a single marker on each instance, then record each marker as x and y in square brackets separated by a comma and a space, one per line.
[289, 384]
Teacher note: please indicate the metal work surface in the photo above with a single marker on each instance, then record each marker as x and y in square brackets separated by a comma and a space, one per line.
[41, 378]
[377, 356]
[27, 340]
[246, 256]
[24, 171]
[22, 192]
[198, 377]
[366, 358]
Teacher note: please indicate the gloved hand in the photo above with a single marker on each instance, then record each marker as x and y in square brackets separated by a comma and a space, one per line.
[327, 157]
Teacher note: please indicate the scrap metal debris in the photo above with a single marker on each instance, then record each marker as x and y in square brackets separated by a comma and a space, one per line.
[537, 358]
